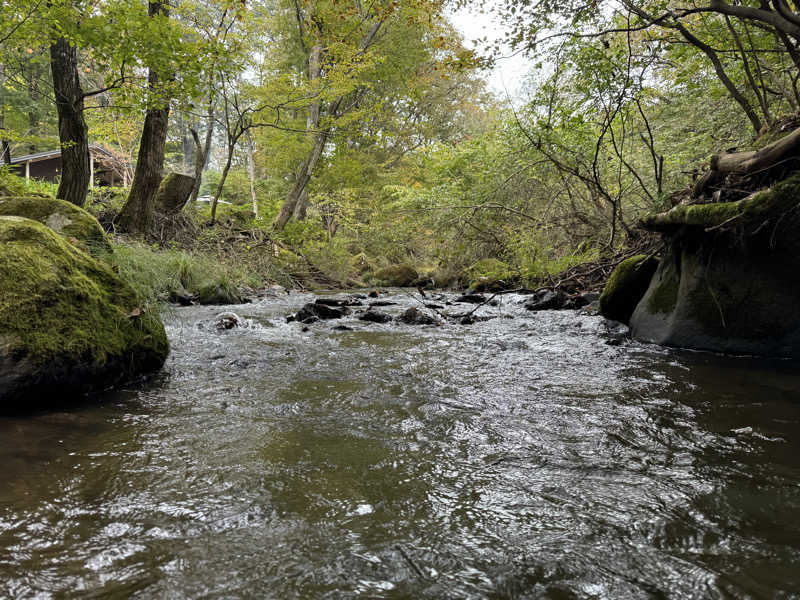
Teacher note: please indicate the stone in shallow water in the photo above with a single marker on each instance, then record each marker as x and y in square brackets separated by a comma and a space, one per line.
[471, 299]
[413, 316]
[546, 300]
[374, 316]
[321, 311]
[227, 320]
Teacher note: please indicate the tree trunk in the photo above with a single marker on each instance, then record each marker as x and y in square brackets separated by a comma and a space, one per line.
[5, 147]
[303, 177]
[251, 173]
[202, 152]
[73, 134]
[301, 208]
[221, 184]
[750, 162]
[306, 170]
[136, 215]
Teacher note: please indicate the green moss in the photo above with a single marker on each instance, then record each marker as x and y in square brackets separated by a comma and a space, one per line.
[401, 275]
[68, 313]
[74, 223]
[626, 287]
[698, 215]
[770, 203]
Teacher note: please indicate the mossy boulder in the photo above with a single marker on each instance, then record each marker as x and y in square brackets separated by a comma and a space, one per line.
[219, 293]
[68, 323]
[626, 286]
[173, 193]
[730, 284]
[490, 275]
[66, 219]
[401, 275]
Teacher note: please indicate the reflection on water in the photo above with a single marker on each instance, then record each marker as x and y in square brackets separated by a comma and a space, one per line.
[515, 458]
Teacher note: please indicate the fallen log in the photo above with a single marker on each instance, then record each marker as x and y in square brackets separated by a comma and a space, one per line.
[743, 164]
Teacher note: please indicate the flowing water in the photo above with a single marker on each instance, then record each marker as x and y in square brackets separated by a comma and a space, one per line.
[519, 457]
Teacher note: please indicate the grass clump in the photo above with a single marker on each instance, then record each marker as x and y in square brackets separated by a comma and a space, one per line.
[159, 274]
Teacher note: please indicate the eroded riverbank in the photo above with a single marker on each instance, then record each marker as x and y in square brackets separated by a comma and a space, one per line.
[515, 457]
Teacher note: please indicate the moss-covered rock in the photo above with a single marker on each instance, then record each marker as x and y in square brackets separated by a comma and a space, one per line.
[173, 193]
[731, 289]
[626, 287]
[66, 219]
[219, 293]
[68, 324]
[491, 275]
[401, 275]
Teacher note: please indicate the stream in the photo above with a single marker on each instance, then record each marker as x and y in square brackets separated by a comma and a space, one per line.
[519, 457]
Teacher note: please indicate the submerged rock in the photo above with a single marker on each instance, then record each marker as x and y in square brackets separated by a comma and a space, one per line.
[414, 316]
[471, 298]
[578, 301]
[545, 300]
[68, 323]
[320, 311]
[228, 320]
[351, 301]
[626, 286]
[374, 316]
[72, 222]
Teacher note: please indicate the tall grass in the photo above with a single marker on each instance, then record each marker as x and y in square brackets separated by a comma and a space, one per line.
[157, 274]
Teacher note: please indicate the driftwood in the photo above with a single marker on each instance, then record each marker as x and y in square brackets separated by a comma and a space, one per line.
[746, 163]
[746, 172]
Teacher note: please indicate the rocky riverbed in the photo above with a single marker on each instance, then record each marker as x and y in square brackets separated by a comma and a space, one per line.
[526, 454]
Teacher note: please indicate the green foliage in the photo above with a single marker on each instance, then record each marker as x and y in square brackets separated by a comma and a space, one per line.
[13, 185]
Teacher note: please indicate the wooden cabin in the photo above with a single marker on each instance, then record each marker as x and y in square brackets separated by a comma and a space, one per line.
[107, 168]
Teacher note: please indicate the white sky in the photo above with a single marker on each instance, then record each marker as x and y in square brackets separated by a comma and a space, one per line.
[507, 76]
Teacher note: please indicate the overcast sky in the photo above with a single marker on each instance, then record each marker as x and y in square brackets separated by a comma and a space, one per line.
[507, 76]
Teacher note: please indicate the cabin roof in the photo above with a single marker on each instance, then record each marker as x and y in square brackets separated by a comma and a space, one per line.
[53, 153]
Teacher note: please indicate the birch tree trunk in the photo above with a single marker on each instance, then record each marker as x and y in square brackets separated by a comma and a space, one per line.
[251, 173]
